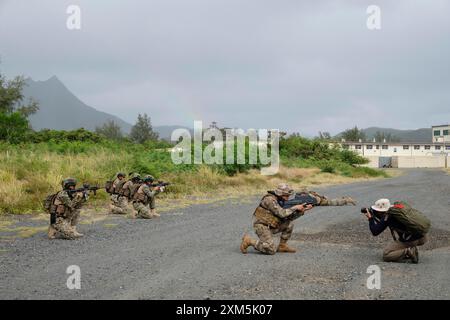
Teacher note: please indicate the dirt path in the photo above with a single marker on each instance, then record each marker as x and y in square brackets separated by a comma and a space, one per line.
[193, 253]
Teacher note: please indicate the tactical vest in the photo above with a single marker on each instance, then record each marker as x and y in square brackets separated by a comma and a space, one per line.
[265, 216]
[140, 196]
[118, 185]
[126, 189]
[59, 208]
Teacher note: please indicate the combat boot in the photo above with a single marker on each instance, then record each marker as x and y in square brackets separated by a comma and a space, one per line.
[154, 214]
[247, 241]
[51, 233]
[413, 254]
[283, 247]
[75, 233]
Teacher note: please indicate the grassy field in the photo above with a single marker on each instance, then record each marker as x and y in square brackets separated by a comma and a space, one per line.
[29, 172]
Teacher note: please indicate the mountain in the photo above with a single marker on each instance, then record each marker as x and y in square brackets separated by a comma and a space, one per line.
[60, 109]
[422, 135]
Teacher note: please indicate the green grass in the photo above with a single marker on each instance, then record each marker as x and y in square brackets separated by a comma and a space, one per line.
[30, 171]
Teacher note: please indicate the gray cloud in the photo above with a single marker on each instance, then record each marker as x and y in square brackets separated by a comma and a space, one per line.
[295, 66]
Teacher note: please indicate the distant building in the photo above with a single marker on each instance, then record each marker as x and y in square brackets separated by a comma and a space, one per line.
[406, 155]
[441, 133]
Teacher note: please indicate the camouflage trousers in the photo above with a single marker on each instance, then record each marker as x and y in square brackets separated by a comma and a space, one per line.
[397, 251]
[266, 243]
[64, 225]
[119, 204]
[143, 211]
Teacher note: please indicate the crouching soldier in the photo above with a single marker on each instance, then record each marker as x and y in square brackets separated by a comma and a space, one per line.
[144, 199]
[273, 216]
[119, 203]
[129, 189]
[408, 226]
[65, 211]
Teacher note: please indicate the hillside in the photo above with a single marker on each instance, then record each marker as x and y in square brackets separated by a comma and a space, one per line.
[422, 135]
[60, 109]
[419, 135]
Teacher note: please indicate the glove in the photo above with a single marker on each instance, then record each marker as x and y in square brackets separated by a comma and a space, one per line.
[349, 200]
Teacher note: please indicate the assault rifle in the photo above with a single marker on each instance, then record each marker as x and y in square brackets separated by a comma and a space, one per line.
[299, 198]
[85, 190]
[160, 184]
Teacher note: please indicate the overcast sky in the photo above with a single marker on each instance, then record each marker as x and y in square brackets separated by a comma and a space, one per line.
[295, 65]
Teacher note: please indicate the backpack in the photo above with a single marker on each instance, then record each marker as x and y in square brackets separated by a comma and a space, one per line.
[49, 203]
[133, 189]
[109, 186]
[413, 220]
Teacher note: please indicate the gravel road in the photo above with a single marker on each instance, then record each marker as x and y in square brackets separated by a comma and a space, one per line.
[193, 253]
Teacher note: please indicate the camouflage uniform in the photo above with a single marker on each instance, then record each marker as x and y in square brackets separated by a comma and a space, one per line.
[119, 203]
[265, 227]
[128, 190]
[66, 214]
[271, 218]
[144, 202]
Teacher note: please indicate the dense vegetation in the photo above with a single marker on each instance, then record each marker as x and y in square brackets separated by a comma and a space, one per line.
[32, 164]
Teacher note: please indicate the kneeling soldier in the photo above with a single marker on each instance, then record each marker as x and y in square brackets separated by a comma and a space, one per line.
[65, 212]
[119, 203]
[129, 189]
[271, 218]
[144, 199]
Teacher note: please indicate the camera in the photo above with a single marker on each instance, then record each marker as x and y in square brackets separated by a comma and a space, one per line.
[370, 210]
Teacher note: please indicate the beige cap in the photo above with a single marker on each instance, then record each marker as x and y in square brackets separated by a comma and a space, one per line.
[283, 189]
[382, 205]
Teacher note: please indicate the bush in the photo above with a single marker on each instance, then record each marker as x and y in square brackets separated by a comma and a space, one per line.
[13, 127]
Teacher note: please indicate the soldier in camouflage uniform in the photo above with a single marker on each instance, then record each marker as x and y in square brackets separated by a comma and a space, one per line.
[119, 203]
[129, 189]
[271, 218]
[144, 199]
[65, 212]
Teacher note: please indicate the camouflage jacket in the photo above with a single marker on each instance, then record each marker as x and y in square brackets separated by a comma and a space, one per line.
[144, 194]
[270, 213]
[324, 201]
[118, 185]
[66, 205]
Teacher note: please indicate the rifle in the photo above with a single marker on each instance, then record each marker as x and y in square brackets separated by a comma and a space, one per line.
[85, 190]
[160, 184]
[299, 198]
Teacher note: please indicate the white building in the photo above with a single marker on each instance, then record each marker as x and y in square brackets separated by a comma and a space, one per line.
[441, 133]
[407, 155]
[397, 149]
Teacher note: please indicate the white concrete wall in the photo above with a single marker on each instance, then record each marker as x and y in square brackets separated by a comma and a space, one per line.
[419, 162]
[374, 161]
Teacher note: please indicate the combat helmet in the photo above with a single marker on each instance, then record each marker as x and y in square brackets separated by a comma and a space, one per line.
[120, 174]
[149, 178]
[68, 182]
[135, 176]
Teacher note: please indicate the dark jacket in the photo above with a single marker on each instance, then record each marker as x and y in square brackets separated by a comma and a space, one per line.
[378, 224]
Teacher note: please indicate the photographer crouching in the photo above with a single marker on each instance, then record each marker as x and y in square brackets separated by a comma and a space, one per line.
[408, 226]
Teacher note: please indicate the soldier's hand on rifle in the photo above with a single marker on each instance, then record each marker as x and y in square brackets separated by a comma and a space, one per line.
[302, 207]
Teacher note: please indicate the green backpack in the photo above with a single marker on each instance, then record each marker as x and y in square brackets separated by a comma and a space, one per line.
[413, 220]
